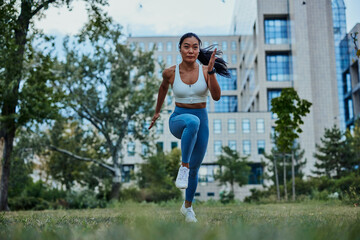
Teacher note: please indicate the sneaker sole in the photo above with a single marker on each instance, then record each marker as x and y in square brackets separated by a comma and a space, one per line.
[181, 187]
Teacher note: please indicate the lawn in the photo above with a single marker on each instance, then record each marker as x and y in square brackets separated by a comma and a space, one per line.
[309, 220]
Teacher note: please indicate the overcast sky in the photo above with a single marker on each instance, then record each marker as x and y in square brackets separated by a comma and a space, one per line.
[161, 17]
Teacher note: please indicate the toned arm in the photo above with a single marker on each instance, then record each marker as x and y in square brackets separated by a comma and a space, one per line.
[213, 85]
[168, 75]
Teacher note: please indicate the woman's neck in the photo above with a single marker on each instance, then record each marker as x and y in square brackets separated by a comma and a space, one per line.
[188, 66]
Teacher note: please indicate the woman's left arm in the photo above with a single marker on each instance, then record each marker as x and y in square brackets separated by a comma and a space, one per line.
[212, 82]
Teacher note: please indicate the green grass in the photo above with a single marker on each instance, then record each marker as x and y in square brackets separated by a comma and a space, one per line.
[311, 220]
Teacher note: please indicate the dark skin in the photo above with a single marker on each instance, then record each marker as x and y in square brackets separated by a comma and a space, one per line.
[189, 73]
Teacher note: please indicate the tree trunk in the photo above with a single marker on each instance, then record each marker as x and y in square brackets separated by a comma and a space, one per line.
[293, 175]
[276, 179]
[285, 188]
[116, 184]
[9, 140]
[2, 144]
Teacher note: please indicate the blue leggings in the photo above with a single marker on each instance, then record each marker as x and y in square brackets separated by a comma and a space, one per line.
[191, 126]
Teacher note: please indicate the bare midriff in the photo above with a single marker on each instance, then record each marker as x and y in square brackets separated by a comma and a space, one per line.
[192, 105]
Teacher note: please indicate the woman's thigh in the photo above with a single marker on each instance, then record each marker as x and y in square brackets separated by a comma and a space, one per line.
[178, 123]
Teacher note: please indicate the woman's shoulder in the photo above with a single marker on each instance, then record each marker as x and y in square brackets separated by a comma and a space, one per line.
[169, 72]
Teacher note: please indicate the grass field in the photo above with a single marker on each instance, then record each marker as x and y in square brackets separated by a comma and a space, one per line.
[309, 220]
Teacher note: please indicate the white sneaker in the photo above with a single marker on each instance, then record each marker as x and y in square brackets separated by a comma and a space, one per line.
[182, 178]
[189, 213]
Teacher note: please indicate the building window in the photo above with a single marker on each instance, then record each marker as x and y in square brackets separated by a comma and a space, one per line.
[150, 46]
[233, 58]
[174, 145]
[215, 43]
[228, 83]
[169, 46]
[256, 174]
[232, 145]
[126, 172]
[131, 127]
[142, 46]
[261, 146]
[246, 147]
[233, 45]
[224, 45]
[160, 59]
[217, 125]
[160, 146]
[278, 67]
[271, 95]
[277, 31]
[207, 172]
[169, 60]
[260, 125]
[197, 194]
[349, 110]
[131, 149]
[144, 149]
[231, 126]
[160, 47]
[226, 104]
[246, 126]
[211, 194]
[347, 83]
[217, 147]
[224, 56]
[159, 127]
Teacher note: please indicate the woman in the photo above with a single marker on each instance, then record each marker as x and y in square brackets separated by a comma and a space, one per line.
[191, 82]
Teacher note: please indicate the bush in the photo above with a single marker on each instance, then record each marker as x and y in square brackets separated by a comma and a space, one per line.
[28, 203]
[131, 193]
[226, 197]
[84, 199]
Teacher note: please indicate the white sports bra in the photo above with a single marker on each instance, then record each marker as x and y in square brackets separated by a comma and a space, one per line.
[190, 93]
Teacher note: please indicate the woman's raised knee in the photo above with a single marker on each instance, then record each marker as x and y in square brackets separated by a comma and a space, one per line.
[193, 123]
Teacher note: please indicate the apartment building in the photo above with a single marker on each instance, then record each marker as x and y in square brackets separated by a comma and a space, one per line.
[292, 45]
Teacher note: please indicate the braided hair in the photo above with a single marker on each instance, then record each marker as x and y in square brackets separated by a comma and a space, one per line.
[205, 55]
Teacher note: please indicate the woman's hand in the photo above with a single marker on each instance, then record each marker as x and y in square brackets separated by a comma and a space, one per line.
[153, 120]
[212, 61]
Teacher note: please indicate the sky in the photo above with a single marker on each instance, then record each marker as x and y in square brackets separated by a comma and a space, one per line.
[161, 17]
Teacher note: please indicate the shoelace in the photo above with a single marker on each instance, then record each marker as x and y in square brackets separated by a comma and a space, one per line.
[183, 173]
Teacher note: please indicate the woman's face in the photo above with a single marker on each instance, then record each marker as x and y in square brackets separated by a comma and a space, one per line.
[189, 49]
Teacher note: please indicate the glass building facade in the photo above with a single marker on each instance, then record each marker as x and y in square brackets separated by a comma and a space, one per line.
[277, 31]
[278, 67]
[341, 56]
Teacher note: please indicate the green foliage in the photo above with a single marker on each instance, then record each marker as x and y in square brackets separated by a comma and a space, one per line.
[84, 200]
[334, 155]
[290, 109]
[233, 169]
[70, 135]
[299, 163]
[154, 177]
[346, 188]
[131, 194]
[227, 197]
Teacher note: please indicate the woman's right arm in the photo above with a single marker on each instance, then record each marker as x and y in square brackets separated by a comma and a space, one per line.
[164, 87]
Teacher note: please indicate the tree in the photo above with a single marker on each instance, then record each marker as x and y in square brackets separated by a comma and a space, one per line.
[69, 134]
[290, 109]
[233, 169]
[353, 138]
[334, 155]
[26, 80]
[157, 174]
[110, 87]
